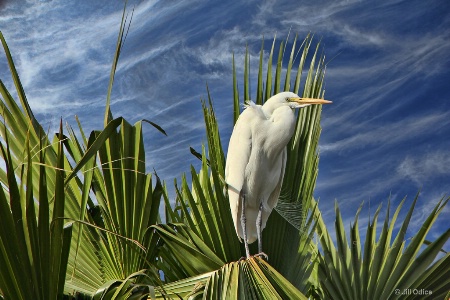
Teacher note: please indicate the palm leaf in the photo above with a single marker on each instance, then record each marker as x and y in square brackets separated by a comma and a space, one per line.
[129, 288]
[128, 201]
[127, 197]
[434, 279]
[244, 279]
[119, 44]
[34, 252]
[384, 268]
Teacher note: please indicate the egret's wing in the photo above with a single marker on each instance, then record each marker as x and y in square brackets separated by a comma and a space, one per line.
[238, 156]
[239, 150]
[273, 198]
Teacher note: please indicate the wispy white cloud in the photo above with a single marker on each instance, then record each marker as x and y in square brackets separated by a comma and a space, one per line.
[55, 55]
[426, 167]
[393, 133]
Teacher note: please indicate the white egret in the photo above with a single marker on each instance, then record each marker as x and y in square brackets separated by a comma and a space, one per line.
[256, 161]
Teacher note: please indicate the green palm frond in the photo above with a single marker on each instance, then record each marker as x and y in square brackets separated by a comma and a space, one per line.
[128, 288]
[128, 198]
[109, 178]
[184, 253]
[382, 267]
[434, 279]
[245, 279]
[22, 129]
[34, 244]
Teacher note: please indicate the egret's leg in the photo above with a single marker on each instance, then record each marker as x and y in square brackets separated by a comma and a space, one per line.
[244, 226]
[259, 233]
[258, 227]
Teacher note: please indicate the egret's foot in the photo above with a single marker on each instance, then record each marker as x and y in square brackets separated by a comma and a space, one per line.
[247, 255]
[262, 254]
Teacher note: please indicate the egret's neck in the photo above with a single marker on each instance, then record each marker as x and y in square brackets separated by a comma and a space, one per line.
[281, 129]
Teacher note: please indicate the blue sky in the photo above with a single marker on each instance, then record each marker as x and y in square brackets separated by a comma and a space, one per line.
[387, 132]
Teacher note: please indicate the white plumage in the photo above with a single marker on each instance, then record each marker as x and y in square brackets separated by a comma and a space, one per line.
[256, 160]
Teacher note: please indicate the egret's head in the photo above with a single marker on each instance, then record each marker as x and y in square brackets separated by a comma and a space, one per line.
[292, 100]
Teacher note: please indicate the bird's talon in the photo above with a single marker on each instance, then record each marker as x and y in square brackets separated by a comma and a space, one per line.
[262, 254]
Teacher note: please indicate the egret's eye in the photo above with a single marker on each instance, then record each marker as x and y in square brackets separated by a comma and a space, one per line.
[287, 99]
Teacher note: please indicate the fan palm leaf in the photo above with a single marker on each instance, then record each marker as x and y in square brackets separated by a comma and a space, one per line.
[109, 168]
[34, 244]
[382, 269]
[245, 279]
